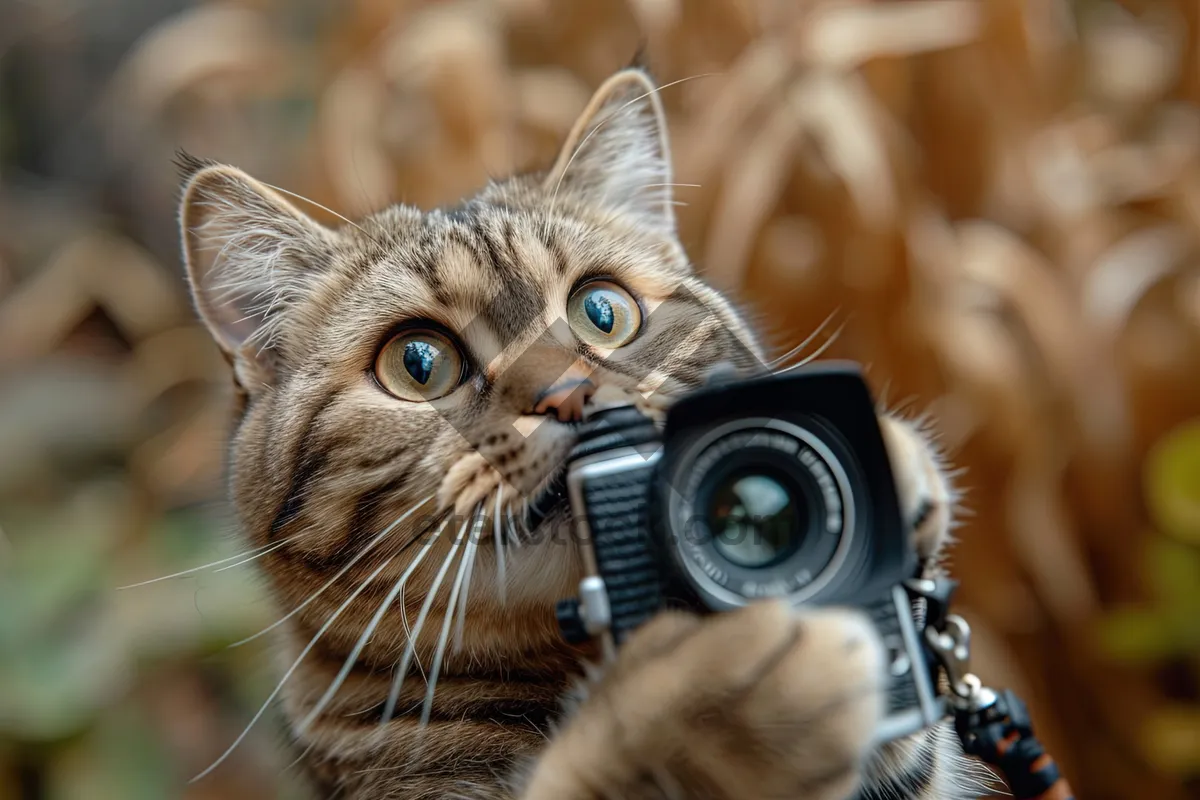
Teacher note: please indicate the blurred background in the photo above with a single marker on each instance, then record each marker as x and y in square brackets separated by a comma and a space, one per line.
[1000, 198]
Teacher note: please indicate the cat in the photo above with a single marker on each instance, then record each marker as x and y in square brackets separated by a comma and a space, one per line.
[405, 385]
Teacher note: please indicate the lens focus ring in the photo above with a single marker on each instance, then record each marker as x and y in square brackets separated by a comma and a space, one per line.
[760, 508]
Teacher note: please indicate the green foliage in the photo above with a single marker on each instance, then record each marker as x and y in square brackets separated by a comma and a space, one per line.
[1167, 629]
[1172, 483]
[74, 663]
[1170, 626]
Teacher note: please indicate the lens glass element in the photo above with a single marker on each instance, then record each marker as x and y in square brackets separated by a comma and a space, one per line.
[755, 517]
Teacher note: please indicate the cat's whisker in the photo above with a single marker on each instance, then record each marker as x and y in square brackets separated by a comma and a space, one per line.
[253, 553]
[669, 185]
[523, 520]
[448, 618]
[295, 664]
[315, 204]
[410, 649]
[816, 353]
[513, 534]
[337, 576]
[469, 561]
[408, 628]
[303, 755]
[807, 341]
[352, 659]
[256, 556]
[500, 542]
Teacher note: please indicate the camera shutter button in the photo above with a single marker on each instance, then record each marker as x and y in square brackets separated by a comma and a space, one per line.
[899, 663]
[593, 605]
[581, 618]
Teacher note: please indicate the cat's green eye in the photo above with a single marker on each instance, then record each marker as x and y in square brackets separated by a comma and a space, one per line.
[603, 314]
[419, 365]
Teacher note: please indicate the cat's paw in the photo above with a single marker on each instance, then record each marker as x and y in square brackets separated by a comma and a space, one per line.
[762, 702]
[926, 496]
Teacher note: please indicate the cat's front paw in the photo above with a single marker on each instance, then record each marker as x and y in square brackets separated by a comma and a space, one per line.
[758, 703]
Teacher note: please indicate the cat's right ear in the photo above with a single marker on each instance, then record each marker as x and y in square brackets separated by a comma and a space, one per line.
[618, 153]
[250, 255]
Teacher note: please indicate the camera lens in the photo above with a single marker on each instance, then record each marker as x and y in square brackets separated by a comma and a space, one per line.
[760, 508]
[755, 517]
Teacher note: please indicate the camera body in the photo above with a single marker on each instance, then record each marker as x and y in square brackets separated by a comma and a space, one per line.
[768, 487]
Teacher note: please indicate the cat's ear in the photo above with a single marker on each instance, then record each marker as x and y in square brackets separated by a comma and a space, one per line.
[250, 255]
[618, 152]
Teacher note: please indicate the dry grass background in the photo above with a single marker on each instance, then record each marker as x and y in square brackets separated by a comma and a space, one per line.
[1000, 198]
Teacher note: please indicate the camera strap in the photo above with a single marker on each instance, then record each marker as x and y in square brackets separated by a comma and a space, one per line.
[992, 726]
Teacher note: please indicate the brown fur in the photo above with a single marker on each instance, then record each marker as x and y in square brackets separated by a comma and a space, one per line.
[760, 703]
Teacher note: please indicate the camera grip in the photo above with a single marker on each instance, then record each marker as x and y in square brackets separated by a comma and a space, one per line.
[617, 525]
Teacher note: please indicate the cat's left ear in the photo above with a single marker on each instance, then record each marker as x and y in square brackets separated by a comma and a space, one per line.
[251, 257]
[618, 153]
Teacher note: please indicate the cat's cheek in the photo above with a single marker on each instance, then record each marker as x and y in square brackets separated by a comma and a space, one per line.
[922, 485]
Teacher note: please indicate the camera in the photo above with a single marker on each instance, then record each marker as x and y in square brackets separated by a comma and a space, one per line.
[774, 486]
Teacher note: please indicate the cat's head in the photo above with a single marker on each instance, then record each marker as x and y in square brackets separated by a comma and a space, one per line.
[435, 362]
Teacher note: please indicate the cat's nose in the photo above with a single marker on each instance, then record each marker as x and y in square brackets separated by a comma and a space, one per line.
[566, 398]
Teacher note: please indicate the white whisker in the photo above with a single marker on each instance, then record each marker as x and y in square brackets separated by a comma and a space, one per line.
[513, 534]
[807, 340]
[300, 757]
[366, 549]
[407, 627]
[444, 637]
[523, 521]
[410, 648]
[313, 203]
[295, 664]
[469, 564]
[253, 553]
[658, 185]
[248, 559]
[352, 659]
[501, 544]
[817, 353]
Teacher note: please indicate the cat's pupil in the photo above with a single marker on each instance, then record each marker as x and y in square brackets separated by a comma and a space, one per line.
[418, 360]
[599, 310]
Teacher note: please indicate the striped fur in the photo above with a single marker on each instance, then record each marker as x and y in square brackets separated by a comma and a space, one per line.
[323, 460]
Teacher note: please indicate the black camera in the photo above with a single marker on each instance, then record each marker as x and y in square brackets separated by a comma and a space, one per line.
[766, 487]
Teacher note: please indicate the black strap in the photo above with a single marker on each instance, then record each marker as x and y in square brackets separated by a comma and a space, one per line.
[1001, 734]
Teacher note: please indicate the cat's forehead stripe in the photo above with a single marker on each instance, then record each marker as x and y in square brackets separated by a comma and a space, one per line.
[495, 272]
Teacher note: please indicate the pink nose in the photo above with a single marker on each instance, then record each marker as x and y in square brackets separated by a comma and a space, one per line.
[565, 399]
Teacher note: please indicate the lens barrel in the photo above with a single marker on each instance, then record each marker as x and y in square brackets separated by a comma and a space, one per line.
[760, 508]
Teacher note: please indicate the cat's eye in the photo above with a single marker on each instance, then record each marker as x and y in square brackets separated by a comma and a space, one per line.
[419, 365]
[603, 314]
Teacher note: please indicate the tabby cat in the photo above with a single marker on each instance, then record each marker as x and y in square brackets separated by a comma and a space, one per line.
[406, 386]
